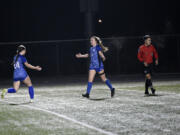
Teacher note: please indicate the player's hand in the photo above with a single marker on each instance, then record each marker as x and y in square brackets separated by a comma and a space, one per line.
[104, 58]
[156, 62]
[38, 68]
[78, 55]
[145, 64]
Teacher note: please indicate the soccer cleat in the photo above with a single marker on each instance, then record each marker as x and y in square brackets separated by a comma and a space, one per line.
[31, 101]
[153, 91]
[4, 91]
[85, 95]
[112, 92]
[146, 94]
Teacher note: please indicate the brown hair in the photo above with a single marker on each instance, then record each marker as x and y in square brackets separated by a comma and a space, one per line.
[19, 49]
[99, 41]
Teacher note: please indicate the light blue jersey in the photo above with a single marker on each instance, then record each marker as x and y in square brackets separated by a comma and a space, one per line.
[96, 62]
[20, 73]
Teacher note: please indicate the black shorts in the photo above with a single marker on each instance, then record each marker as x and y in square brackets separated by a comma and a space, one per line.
[148, 69]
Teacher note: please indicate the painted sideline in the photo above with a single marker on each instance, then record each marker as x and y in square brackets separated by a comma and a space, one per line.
[66, 118]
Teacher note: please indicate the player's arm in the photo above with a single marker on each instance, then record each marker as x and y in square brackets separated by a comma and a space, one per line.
[102, 55]
[32, 67]
[155, 56]
[140, 57]
[79, 55]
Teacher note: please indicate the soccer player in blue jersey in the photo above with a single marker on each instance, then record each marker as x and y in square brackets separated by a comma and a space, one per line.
[96, 64]
[20, 74]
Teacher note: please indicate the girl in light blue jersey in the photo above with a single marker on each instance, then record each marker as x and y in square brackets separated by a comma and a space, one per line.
[20, 74]
[96, 64]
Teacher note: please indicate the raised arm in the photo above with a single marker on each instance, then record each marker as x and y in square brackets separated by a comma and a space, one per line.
[32, 67]
[79, 55]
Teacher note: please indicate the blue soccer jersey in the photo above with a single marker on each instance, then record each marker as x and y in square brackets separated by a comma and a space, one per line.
[96, 61]
[20, 73]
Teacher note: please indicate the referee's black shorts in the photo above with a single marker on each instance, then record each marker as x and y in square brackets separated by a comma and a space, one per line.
[148, 69]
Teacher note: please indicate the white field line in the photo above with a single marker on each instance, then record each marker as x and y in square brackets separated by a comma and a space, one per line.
[18, 96]
[67, 118]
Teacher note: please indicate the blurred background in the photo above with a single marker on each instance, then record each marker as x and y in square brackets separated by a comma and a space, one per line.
[54, 31]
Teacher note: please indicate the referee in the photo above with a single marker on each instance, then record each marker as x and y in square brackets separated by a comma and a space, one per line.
[146, 53]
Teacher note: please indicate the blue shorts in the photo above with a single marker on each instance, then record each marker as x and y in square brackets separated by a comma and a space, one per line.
[20, 78]
[97, 69]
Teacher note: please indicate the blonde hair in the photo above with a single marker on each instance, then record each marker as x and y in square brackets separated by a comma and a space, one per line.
[99, 41]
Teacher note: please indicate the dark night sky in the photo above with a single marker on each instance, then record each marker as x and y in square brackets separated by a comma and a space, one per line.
[61, 19]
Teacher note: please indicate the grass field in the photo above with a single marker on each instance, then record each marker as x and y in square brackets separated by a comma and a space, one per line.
[60, 109]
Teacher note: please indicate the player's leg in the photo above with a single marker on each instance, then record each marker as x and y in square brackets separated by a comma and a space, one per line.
[107, 81]
[28, 82]
[147, 72]
[15, 88]
[149, 83]
[147, 77]
[92, 74]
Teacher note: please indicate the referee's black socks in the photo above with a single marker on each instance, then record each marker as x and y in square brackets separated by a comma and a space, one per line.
[146, 87]
[148, 84]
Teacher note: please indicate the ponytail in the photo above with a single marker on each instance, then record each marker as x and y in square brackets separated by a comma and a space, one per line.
[17, 56]
[99, 41]
[19, 49]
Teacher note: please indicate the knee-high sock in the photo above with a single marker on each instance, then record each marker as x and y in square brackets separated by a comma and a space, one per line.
[108, 83]
[11, 90]
[146, 86]
[150, 83]
[89, 86]
[31, 92]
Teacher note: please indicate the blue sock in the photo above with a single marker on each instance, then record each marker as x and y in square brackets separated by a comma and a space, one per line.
[108, 83]
[31, 92]
[89, 86]
[11, 90]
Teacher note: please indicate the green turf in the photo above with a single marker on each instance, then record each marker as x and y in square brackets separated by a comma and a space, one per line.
[128, 113]
[16, 120]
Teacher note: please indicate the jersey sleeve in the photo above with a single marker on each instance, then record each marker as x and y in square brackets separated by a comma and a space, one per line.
[23, 59]
[140, 55]
[155, 53]
[98, 48]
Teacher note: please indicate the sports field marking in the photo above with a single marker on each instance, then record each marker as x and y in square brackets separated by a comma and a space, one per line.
[19, 96]
[66, 118]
